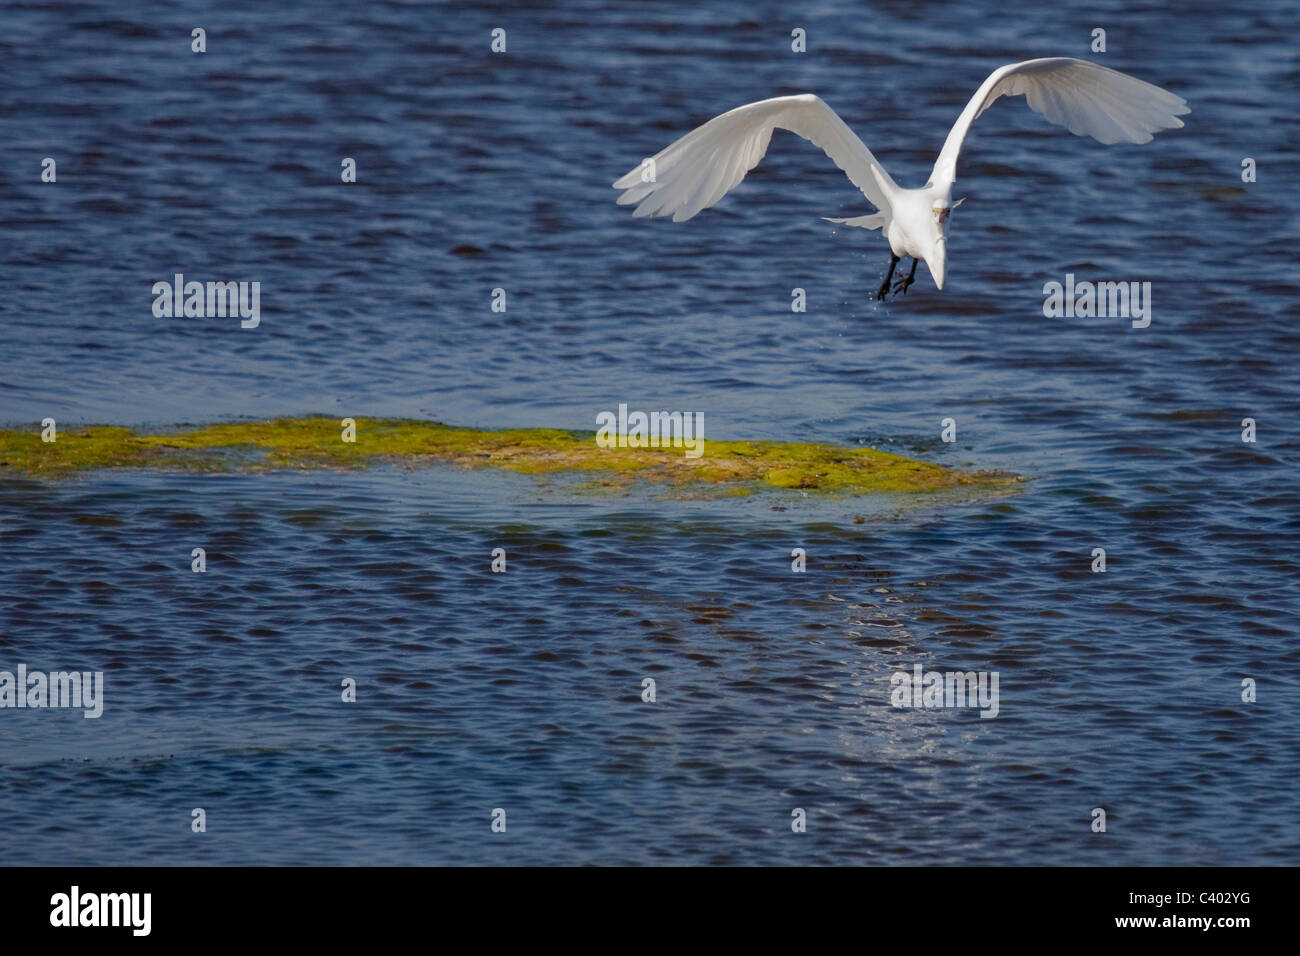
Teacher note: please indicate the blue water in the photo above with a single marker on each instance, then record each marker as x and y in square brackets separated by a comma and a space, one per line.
[1120, 690]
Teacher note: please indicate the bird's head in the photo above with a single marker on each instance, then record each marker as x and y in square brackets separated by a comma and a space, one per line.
[940, 210]
[937, 256]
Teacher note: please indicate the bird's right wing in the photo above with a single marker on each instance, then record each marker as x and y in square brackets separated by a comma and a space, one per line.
[701, 167]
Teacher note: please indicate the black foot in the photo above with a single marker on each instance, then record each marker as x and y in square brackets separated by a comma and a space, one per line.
[903, 283]
[884, 286]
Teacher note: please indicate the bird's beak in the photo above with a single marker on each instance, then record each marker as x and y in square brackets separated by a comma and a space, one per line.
[937, 262]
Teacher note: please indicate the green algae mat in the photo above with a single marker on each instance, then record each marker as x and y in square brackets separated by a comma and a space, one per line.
[724, 467]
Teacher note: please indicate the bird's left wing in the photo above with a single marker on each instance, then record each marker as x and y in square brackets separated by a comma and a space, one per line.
[1087, 99]
[705, 164]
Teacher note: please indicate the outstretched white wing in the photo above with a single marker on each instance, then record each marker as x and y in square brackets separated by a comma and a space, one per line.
[701, 167]
[1087, 99]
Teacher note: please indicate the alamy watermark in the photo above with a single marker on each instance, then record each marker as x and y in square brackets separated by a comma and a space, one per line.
[651, 430]
[75, 908]
[923, 688]
[1115, 300]
[215, 300]
[37, 689]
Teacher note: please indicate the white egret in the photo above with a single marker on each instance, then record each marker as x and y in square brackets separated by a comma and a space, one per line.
[701, 167]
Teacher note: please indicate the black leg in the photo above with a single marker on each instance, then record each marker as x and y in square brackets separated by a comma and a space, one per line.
[884, 286]
[902, 284]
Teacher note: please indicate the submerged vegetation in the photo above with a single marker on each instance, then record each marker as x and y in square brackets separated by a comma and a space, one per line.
[727, 467]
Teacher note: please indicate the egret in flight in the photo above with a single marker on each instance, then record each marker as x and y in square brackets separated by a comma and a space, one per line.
[705, 164]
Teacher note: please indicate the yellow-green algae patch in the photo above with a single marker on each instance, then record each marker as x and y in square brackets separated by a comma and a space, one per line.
[726, 467]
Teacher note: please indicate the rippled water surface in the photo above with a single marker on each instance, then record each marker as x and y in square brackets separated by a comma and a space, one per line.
[522, 690]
